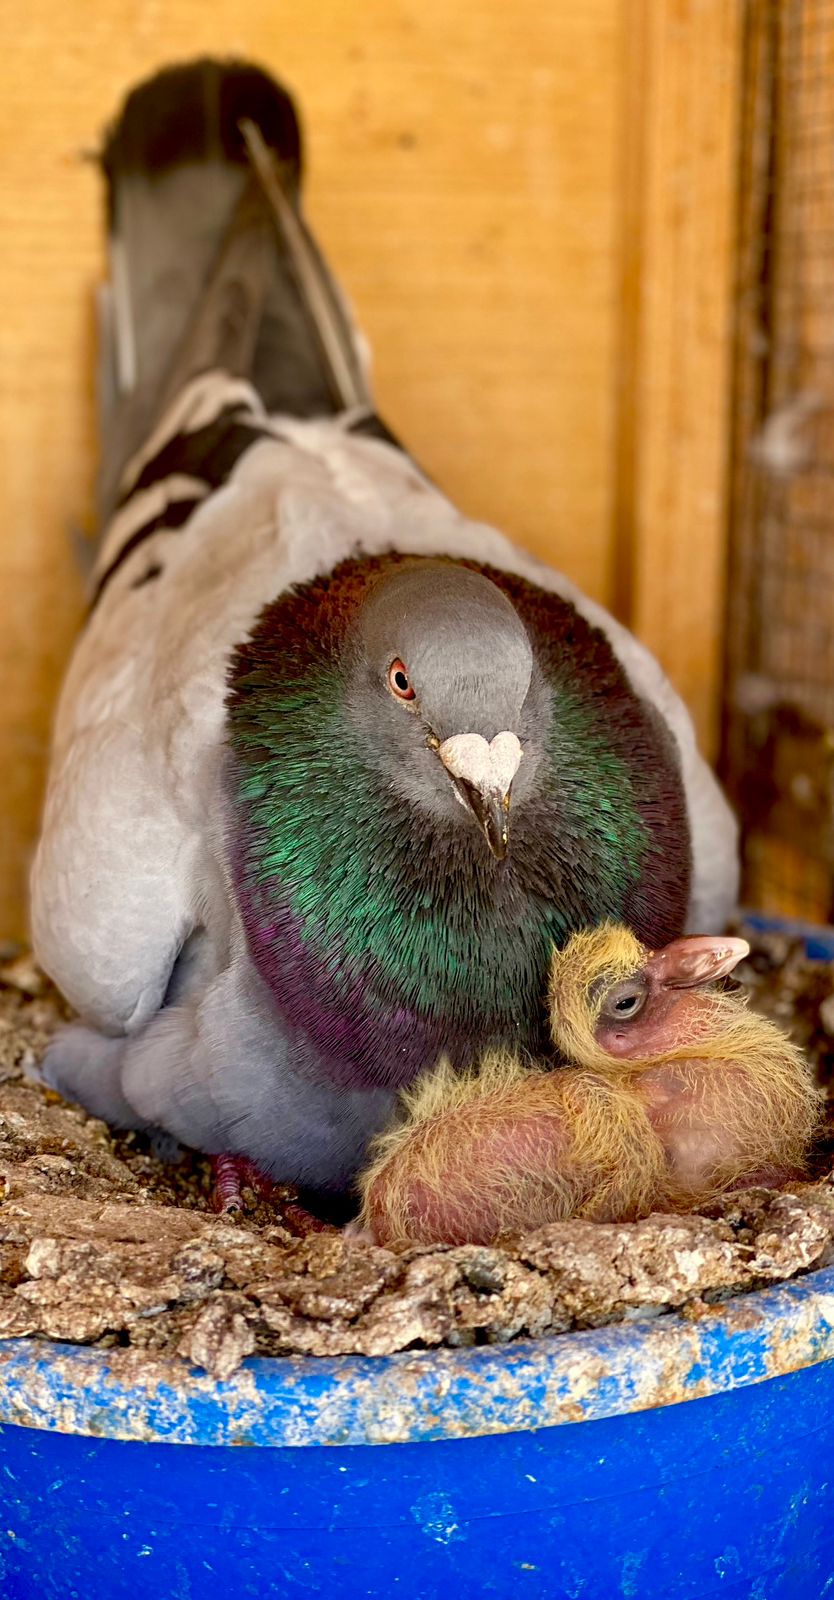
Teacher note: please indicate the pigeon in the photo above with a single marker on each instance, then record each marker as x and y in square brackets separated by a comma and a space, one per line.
[333, 766]
[675, 1096]
[730, 1097]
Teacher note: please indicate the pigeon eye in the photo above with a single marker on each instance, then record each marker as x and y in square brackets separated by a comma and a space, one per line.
[399, 682]
[624, 1001]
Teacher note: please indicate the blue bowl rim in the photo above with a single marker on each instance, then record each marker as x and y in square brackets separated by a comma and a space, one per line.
[428, 1394]
[817, 938]
[644, 1362]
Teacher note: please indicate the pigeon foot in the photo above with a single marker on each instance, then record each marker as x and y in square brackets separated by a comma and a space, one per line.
[232, 1175]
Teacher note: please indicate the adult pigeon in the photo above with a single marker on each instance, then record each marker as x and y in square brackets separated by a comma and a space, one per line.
[333, 767]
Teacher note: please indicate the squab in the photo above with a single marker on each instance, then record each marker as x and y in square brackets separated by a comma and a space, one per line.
[675, 1094]
[731, 1099]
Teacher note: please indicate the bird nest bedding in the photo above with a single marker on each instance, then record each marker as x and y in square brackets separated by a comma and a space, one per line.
[101, 1243]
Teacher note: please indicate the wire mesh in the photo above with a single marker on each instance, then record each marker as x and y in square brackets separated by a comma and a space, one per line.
[778, 755]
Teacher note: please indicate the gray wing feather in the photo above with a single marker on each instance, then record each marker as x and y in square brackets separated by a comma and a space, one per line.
[216, 303]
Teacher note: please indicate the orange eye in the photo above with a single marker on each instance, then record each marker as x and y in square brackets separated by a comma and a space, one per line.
[398, 680]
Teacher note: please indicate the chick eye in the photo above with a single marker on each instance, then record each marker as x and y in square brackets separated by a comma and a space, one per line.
[399, 682]
[624, 1001]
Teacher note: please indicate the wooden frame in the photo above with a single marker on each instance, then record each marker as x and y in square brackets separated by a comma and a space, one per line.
[681, 109]
[560, 362]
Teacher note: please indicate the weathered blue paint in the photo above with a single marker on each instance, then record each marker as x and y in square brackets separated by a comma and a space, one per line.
[730, 1496]
[577, 1467]
[546, 1468]
[425, 1395]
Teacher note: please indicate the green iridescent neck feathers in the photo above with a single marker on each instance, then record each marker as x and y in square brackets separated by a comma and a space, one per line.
[382, 916]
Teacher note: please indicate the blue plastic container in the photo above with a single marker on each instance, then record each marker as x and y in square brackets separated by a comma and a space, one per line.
[661, 1459]
[657, 1460]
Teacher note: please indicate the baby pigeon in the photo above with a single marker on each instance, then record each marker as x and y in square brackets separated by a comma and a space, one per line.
[729, 1096]
[333, 768]
[677, 1096]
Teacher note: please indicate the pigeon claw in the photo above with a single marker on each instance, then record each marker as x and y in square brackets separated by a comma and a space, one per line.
[232, 1175]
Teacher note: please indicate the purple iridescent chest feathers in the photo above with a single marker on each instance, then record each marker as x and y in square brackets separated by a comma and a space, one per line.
[400, 896]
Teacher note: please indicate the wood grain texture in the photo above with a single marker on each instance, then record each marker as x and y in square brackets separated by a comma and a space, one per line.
[461, 179]
[530, 208]
[682, 84]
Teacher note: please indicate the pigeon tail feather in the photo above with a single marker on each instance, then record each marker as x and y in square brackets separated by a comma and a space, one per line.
[212, 265]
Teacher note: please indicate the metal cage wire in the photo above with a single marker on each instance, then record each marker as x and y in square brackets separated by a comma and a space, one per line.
[778, 750]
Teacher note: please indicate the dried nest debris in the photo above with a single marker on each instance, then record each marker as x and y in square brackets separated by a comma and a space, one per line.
[798, 995]
[101, 1243]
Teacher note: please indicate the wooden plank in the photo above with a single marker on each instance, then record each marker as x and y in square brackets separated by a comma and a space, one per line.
[462, 181]
[679, 183]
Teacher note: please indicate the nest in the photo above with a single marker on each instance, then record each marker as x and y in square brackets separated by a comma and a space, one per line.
[103, 1244]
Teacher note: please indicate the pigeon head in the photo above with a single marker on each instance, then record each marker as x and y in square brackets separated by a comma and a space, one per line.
[393, 727]
[440, 689]
[613, 1000]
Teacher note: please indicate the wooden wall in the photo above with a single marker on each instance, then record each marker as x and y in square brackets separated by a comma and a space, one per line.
[531, 209]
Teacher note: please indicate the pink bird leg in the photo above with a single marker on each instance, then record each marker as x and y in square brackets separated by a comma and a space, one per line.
[231, 1174]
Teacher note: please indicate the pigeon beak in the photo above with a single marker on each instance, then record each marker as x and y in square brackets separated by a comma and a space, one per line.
[482, 775]
[491, 812]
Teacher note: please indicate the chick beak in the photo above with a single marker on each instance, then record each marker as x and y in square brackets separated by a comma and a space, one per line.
[695, 960]
[482, 775]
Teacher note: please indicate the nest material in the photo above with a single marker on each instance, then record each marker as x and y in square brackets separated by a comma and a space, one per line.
[100, 1243]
